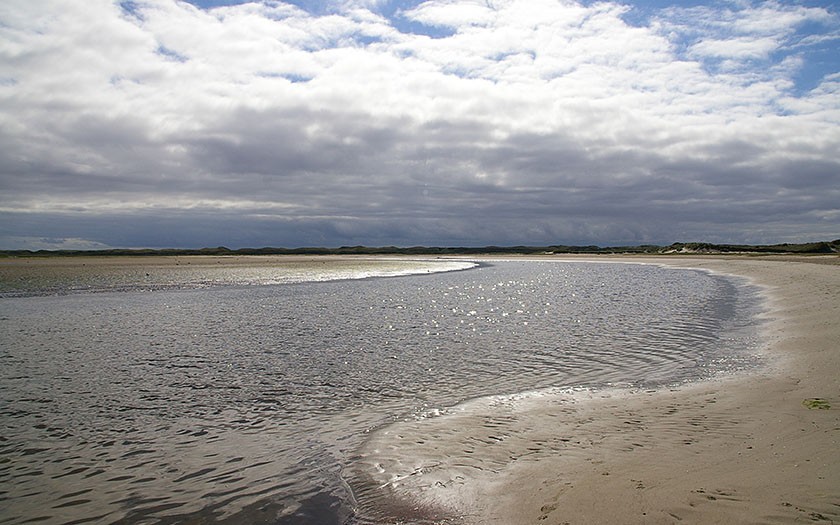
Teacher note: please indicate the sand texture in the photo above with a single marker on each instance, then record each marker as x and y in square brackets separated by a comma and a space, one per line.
[751, 448]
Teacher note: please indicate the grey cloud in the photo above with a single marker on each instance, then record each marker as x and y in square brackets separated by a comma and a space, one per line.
[287, 142]
[407, 154]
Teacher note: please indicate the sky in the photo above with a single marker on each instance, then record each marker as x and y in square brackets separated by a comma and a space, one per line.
[165, 123]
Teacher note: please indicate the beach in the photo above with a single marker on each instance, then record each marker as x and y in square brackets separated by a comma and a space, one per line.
[755, 447]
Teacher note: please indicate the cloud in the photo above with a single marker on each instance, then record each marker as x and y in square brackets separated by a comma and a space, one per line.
[453, 13]
[42, 243]
[730, 36]
[525, 122]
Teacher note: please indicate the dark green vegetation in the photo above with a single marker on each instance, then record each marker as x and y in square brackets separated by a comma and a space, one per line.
[816, 403]
[824, 247]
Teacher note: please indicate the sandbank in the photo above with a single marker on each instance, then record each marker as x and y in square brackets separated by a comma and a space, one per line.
[747, 448]
[22, 275]
[39, 263]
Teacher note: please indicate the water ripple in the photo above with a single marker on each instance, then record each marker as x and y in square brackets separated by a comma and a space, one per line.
[239, 404]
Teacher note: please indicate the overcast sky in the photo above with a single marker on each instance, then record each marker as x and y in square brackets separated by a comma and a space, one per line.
[162, 123]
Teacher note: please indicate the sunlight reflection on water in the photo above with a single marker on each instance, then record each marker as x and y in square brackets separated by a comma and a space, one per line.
[162, 406]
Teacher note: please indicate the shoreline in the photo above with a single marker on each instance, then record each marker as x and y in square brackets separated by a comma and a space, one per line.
[28, 277]
[743, 448]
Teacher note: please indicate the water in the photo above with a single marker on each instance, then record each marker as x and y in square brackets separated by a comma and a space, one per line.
[239, 401]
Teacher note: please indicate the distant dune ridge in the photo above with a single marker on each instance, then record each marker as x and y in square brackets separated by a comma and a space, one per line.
[819, 247]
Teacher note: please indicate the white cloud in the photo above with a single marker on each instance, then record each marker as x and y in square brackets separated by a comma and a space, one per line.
[736, 36]
[740, 47]
[457, 14]
[544, 112]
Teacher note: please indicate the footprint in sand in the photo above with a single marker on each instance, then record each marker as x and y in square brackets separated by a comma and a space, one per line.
[546, 510]
[715, 495]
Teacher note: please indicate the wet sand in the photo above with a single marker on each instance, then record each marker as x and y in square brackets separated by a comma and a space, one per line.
[72, 265]
[23, 275]
[750, 448]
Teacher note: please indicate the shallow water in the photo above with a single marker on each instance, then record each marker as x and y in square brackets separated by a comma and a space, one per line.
[245, 402]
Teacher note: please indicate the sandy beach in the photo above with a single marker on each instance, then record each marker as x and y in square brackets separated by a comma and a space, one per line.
[760, 447]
